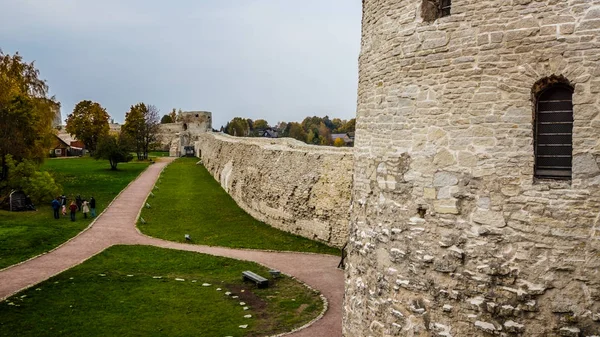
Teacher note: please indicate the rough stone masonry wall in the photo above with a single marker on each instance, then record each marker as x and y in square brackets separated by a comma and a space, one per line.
[298, 188]
[444, 123]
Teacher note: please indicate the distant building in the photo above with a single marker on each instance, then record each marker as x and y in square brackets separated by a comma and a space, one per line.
[269, 133]
[349, 141]
[65, 146]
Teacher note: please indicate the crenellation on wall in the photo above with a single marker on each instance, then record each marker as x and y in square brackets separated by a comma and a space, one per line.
[298, 188]
[445, 125]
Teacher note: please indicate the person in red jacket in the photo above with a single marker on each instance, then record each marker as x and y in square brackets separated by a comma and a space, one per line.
[73, 209]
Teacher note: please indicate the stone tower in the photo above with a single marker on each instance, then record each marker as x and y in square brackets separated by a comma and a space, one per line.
[476, 202]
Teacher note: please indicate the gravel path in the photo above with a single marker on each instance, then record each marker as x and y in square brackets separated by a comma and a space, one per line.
[117, 226]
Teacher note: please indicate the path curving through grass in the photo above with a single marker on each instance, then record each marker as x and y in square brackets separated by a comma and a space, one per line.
[116, 227]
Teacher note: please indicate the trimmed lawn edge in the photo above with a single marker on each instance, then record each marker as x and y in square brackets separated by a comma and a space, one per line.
[81, 232]
[314, 320]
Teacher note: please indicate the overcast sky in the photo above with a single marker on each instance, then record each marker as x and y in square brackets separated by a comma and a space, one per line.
[272, 59]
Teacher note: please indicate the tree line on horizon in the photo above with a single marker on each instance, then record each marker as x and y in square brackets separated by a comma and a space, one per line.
[312, 130]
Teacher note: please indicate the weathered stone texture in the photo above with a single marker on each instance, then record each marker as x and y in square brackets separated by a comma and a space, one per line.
[298, 188]
[175, 136]
[444, 123]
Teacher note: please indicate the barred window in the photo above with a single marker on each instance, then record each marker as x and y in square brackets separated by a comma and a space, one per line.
[554, 132]
[445, 7]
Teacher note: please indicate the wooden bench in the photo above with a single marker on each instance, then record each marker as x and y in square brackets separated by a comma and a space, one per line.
[260, 281]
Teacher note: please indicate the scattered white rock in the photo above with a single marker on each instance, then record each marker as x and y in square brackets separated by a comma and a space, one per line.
[206, 284]
[485, 326]
[218, 289]
[98, 274]
[447, 308]
[129, 275]
[293, 299]
[242, 290]
[38, 289]
[247, 316]
[156, 276]
[242, 303]
[244, 326]
[23, 296]
[234, 296]
[179, 279]
[71, 278]
[228, 293]
[194, 281]
[11, 303]
[246, 308]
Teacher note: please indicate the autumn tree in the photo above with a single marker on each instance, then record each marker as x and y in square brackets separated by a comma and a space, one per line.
[142, 126]
[173, 115]
[26, 114]
[295, 131]
[339, 142]
[88, 123]
[238, 127]
[261, 124]
[324, 134]
[115, 149]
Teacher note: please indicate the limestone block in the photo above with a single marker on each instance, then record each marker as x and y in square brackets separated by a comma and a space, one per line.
[446, 206]
[487, 217]
[443, 178]
[429, 193]
[467, 159]
[585, 164]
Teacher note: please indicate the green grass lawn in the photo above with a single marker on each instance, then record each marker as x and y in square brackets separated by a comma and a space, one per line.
[189, 201]
[119, 293]
[26, 234]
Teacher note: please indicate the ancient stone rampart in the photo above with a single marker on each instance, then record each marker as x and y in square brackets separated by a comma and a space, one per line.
[175, 137]
[298, 188]
[451, 234]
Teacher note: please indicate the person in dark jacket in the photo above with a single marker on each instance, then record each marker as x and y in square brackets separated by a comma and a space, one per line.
[92, 207]
[73, 209]
[56, 207]
[78, 202]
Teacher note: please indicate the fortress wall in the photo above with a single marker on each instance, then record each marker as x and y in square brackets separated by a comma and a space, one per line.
[298, 188]
[166, 134]
[445, 125]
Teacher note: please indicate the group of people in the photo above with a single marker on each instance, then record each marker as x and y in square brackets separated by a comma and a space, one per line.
[77, 205]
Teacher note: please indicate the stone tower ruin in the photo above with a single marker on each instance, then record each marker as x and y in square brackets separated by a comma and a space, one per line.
[476, 201]
[181, 135]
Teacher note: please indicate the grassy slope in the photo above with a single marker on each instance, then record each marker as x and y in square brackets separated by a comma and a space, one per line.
[190, 201]
[26, 234]
[81, 302]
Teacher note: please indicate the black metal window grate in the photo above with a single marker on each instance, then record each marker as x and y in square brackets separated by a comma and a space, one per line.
[445, 7]
[554, 133]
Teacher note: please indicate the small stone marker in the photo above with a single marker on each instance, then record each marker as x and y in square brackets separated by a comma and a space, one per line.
[244, 326]
[206, 284]
[228, 293]
[179, 279]
[156, 276]
[247, 316]
[218, 289]
[242, 303]
[100, 275]
[129, 275]
[234, 296]
[245, 308]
